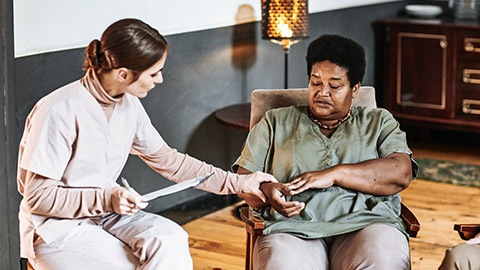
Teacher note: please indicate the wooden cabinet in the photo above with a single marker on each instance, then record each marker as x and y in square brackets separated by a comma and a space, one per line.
[432, 73]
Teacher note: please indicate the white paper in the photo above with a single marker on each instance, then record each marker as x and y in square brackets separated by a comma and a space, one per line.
[177, 187]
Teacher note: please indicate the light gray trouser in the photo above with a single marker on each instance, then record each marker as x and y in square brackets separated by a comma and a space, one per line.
[462, 257]
[377, 246]
[141, 241]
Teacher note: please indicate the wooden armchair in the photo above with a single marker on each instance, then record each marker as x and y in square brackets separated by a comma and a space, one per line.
[466, 231]
[264, 100]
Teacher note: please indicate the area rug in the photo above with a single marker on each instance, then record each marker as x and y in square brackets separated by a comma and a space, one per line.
[449, 172]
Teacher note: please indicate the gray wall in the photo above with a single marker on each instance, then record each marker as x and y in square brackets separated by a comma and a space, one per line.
[9, 198]
[205, 71]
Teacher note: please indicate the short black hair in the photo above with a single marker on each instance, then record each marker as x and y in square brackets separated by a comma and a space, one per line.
[341, 51]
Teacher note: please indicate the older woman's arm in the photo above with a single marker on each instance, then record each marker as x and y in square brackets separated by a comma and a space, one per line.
[382, 176]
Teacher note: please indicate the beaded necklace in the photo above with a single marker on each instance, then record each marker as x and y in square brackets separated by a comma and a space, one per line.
[334, 126]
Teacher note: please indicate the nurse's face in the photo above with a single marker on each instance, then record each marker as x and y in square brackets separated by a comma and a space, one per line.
[147, 80]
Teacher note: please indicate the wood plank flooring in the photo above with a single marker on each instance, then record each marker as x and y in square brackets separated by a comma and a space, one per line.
[217, 241]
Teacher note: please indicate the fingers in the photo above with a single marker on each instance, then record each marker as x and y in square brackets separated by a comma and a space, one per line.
[285, 189]
[136, 201]
[290, 212]
[298, 185]
[126, 208]
[288, 209]
[127, 202]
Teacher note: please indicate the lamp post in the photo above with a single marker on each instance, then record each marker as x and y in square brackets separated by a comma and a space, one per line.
[285, 22]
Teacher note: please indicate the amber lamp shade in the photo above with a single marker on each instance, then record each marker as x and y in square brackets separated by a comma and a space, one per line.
[285, 22]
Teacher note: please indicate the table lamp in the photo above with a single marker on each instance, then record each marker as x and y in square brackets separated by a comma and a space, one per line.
[285, 22]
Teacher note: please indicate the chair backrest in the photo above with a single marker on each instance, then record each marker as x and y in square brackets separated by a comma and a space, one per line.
[267, 99]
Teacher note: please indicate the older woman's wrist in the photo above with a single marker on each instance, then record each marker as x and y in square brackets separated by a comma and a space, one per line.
[337, 174]
[264, 186]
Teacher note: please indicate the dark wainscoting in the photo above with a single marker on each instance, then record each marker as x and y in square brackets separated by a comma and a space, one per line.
[205, 71]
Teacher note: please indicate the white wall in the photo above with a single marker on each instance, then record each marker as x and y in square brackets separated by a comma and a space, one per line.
[52, 25]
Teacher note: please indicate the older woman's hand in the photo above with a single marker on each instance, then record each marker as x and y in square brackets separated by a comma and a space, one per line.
[126, 202]
[311, 180]
[276, 196]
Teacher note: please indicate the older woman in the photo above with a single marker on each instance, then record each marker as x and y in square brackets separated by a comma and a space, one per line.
[343, 167]
[75, 143]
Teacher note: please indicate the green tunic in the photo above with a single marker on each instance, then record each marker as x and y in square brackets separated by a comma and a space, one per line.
[286, 143]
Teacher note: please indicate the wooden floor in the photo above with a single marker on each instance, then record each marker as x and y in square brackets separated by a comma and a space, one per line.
[217, 241]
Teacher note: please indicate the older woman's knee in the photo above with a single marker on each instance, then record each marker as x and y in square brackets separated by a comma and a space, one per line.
[284, 251]
[377, 246]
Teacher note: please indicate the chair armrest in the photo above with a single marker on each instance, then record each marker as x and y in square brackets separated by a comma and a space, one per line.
[250, 219]
[467, 231]
[411, 223]
[255, 223]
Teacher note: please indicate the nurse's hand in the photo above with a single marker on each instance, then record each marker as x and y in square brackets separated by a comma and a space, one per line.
[251, 184]
[126, 202]
[276, 196]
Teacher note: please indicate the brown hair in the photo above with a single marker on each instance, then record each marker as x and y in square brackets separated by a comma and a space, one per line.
[128, 43]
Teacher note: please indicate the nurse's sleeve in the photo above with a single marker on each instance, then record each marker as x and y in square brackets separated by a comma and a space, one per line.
[45, 150]
[44, 197]
[146, 140]
[177, 167]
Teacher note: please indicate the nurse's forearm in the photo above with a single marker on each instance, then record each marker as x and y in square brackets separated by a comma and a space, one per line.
[45, 197]
[179, 167]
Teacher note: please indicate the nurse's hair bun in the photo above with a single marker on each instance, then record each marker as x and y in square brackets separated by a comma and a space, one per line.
[96, 58]
[127, 43]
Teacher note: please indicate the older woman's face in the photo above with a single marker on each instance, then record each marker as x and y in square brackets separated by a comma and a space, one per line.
[329, 92]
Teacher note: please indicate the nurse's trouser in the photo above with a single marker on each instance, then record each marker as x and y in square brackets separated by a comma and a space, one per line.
[141, 241]
[377, 246]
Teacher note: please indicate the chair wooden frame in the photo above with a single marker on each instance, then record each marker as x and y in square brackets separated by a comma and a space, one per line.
[467, 231]
[254, 224]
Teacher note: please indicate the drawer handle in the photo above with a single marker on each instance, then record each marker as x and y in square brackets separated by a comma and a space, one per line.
[467, 73]
[443, 44]
[467, 106]
[469, 44]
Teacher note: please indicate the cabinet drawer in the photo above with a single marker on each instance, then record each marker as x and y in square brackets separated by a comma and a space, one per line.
[468, 91]
[468, 44]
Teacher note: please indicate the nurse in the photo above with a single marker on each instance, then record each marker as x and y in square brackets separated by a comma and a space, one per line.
[77, 140]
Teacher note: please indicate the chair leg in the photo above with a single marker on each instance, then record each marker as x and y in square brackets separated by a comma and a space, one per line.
[252, 239]
[248, 257]
[25, 264]
[29, 266]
